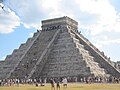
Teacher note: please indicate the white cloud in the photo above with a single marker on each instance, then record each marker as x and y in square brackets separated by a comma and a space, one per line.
[97, 17]
[105, 29]
[52, 6]
[104, 41]
[108, 20]
[8, 21]
[117, 41]
[31, 12]
[103, 15]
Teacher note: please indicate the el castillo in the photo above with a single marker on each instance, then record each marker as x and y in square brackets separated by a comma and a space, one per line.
[58, 50]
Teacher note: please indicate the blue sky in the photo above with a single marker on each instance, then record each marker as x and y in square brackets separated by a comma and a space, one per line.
[99, 21]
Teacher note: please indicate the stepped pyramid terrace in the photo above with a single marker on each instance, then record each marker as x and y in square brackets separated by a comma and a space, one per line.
[58, 50]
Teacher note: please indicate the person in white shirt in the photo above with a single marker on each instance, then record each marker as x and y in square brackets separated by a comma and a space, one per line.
[64, 81]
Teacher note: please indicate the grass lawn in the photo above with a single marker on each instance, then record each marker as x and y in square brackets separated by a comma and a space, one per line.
[71, 86]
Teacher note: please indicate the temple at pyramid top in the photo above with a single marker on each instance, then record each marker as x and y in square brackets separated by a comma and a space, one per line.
[59, 23]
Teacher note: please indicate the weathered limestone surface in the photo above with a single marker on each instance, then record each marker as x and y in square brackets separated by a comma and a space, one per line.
[33, 54]
[14, 58]
[98, 56]
[69, 58]
[58, 50]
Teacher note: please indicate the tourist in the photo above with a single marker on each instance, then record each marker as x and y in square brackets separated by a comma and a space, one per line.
[0, 82]
[64, 81]
[45, 80]
[58, 84]
[52, 84]
[17, 82]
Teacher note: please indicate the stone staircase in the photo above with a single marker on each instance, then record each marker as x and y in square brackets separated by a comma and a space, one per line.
[98, 56]
[32, 55]
[11, 60]
[91, 63]
[43, 58]
[69, 58]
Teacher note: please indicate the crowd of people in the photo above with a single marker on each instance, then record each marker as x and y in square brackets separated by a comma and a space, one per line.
[55, 82]
[58, 81]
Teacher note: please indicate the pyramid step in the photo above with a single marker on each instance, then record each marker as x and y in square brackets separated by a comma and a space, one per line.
[64, 35]
[66, 59]
[35, 34]
[63, 73]
[64, 40]
[22, 46]
[37, 49]
[29, 41]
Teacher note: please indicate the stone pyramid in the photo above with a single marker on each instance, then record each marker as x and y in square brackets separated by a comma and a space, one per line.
[58, 50]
